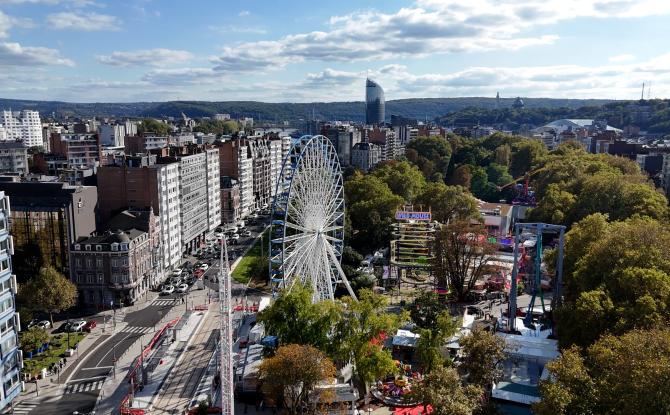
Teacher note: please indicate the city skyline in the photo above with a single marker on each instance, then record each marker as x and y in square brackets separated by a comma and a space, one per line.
[98, 51]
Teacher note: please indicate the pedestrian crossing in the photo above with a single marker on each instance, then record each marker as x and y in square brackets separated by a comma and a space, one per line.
[86, 386]
[24, 407]
[164, 302]
[137, 330]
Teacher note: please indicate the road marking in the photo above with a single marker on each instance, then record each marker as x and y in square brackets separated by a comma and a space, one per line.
[84, 386]
[24, 407]
[97, 368]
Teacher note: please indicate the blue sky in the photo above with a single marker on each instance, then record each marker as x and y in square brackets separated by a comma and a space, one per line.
[154, 50]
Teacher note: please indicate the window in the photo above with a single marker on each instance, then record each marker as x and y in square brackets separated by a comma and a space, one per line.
[98, 247]
[6, 326]
[77, 262]
[98, 262]
[89, 278]
[4, 265]
[5, 285]
[89, 263]
[88, 247]
[115, 246]
[115, 262]
[101, 278]
[77, 247]
[7, 304]
[11, 382]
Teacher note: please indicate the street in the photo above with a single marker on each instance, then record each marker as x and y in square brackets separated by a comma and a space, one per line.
[83, 379]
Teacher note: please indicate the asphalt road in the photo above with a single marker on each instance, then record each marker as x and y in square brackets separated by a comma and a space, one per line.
[84, 385]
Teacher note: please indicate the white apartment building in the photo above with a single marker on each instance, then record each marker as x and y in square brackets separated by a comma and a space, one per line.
[3, 133]
[25, 126]
[278, 151]
[246, 180]
[112, 135]
[130, 127]
[170, 217]
[221, 117]
[193, 194]
[213, 189]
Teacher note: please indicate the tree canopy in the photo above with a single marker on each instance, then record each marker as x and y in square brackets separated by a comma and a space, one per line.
[461, 253]
[444, 391]
[404, 179]
[627, 374]
[49, 292]
[617, 277]
[371, 207]
[150, 125]
[431, 154]
[293, 372]
[293, 318]
[572, 184]
[447, 202]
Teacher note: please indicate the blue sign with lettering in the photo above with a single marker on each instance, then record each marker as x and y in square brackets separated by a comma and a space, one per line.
[405, 215]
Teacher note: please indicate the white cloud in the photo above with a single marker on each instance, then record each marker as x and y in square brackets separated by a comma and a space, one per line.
[7, 22]
[13, 54]
[148, 57]
[251, 30]
[88, 22]
[182, 76]
[430, 27]
[624, 57]
[74, 3]
[244, 13]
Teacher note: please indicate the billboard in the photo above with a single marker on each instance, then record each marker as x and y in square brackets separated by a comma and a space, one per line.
[407, 215]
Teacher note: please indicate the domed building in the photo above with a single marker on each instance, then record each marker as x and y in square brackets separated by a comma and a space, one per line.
[518, 104]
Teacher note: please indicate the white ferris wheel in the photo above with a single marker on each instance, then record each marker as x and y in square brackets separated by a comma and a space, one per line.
[307, 228]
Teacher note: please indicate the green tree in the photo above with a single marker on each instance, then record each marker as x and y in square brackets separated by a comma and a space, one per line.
[497, 174]
[371, 207]
[617, 375]
[293, 318]
[462, 176]
[359, 335]
[432, 155]
[33, 338]
[444, 391]
[49, 292]
[404, 179]
[426, 309]
[503, 155]
[293, 372]
[617, 277]
[461, 253]
[448, 202]
[150, 125]
[483, 354]
[479, 184]
[432, 340]
[525, 154]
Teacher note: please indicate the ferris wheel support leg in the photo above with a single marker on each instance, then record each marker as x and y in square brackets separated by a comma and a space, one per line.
[341, 272]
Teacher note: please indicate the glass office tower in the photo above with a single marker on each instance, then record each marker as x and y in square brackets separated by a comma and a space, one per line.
[374, 103]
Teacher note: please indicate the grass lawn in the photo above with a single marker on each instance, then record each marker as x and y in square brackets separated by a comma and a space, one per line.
[56, 351]
[244, 269]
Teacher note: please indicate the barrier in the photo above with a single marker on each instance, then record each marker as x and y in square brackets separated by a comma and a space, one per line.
[125, 408]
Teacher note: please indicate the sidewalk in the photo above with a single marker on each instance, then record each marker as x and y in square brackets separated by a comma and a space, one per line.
[55, 384]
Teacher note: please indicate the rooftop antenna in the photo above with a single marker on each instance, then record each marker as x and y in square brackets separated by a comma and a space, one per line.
[642, 98]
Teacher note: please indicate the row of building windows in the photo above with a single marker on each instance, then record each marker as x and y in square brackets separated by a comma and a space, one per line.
[6, 305]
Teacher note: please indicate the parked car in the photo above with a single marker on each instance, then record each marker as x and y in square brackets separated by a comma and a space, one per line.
[182, 288]
[167, 290]
[235, 237]
[246, 233]
[76, 326]
[204, 267]
[32, 323]
[90, 325]
[44, 324]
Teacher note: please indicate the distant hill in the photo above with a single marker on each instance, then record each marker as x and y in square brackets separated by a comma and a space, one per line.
[650, 115]
[417, 108]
